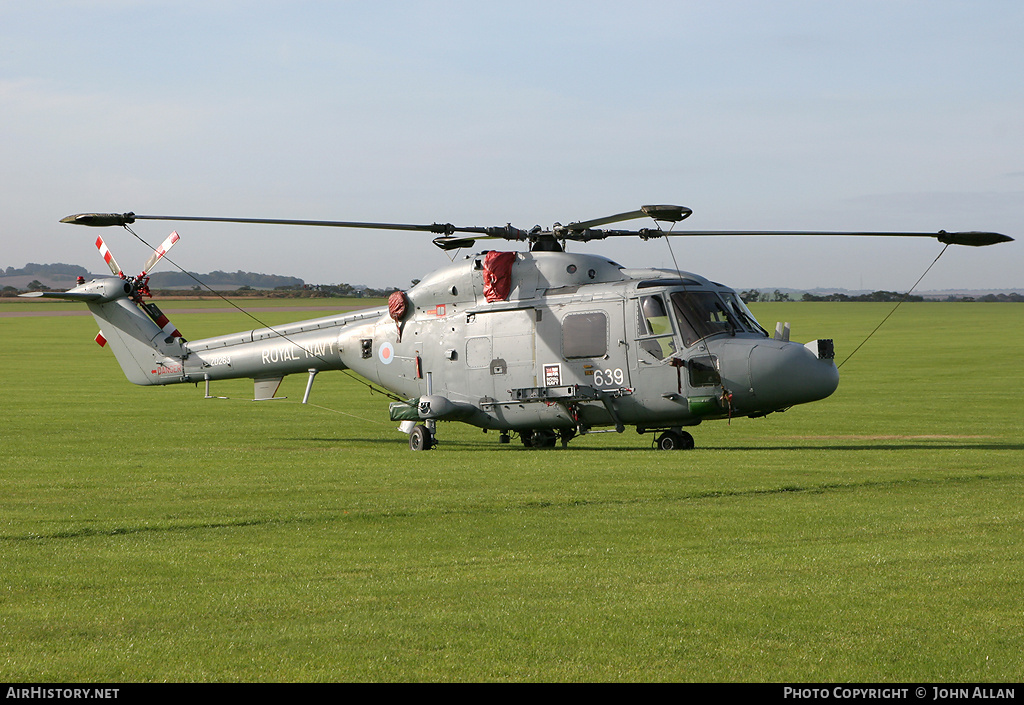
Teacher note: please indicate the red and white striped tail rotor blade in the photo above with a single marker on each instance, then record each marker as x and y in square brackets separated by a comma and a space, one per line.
[108, 257]
[161, 320]
[159, 252]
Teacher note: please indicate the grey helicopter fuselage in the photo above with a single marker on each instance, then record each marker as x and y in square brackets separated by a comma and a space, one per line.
[577, 343]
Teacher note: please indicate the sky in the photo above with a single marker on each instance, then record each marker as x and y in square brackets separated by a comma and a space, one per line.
[771, 115]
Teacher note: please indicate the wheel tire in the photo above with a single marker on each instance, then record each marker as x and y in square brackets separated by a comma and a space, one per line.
[667, 441]
[421, 438]
[688, 443]
[675, 440]
[544, 438]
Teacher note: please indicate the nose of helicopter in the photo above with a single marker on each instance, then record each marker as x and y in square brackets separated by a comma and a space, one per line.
[789, 373]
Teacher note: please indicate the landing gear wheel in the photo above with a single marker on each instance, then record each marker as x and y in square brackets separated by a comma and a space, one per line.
[567, 435]
[541, 438]
[675, 440]
[527, 438]
[421, 438]
[544, 439]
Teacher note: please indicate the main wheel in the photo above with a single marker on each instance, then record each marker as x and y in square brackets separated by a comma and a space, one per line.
[527, 438]
[421, 438]
[675, 440]
[544, 438]
[539, 438]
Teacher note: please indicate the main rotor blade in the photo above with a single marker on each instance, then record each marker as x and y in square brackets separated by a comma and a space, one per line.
[667, 213]
[972, 238]
[101, 220]
[439, 228]
[584, 230]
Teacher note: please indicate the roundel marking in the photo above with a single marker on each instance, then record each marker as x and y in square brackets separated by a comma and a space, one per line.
[386, 353]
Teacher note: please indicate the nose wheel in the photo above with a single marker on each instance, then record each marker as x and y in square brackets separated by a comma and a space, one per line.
[675, 440]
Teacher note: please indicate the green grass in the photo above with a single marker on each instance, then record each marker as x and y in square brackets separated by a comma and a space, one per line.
[147, 534]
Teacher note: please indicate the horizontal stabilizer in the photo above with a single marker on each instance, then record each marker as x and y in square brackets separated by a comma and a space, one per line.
[66, 295]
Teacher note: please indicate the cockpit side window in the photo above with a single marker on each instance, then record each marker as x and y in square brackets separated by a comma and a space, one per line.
[742, 313]
[702, 313]
[654, 329]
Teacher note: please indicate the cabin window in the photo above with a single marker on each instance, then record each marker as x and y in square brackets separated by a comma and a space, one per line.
[654, 329]
[585, 335]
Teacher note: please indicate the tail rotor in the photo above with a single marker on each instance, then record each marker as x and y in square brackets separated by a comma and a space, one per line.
[147, 269]
[108, 257]
[158, 253]
[139, 285]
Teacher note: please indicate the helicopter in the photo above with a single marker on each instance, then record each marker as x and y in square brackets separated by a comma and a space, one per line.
[543, 343]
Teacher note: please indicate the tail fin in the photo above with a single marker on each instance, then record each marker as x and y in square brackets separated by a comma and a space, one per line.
[147, 354]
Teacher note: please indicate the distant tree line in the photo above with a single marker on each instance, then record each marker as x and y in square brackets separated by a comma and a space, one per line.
[253, 284]
[893, 296]
[57, 270]
[347, 290]
[1014, 298]
[256, 284]
[754, 295]
[173, 280]
[292, 291]
[304, 291]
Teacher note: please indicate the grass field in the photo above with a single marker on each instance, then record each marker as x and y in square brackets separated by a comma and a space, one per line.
[147, 534]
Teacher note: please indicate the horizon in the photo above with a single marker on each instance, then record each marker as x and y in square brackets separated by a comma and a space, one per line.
[54, 282]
